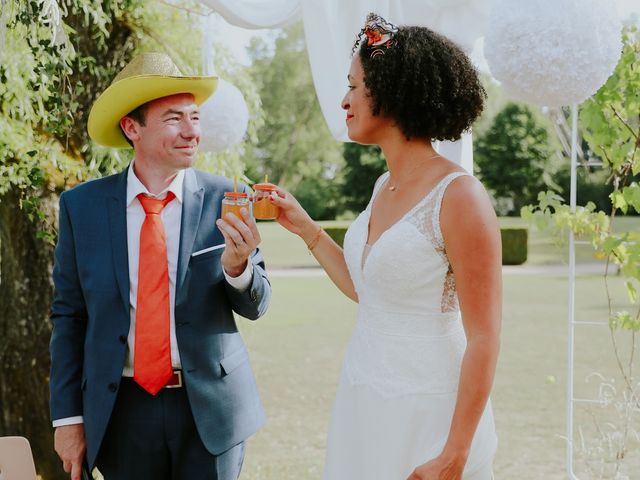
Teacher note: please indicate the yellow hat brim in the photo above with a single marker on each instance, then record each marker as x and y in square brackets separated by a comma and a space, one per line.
[128, 94]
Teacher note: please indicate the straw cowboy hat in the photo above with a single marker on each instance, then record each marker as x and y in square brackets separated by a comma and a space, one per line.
[147, 77]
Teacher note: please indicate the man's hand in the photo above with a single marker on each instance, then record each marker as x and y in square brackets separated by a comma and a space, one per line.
[70, 447]
[240, 238]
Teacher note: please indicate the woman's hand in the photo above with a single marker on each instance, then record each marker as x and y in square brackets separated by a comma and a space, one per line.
[443, 467]
[292, 216]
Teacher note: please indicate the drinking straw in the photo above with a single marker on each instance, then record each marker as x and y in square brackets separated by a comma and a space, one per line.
[235, 184]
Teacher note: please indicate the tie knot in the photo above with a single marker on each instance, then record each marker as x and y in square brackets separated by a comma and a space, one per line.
[153, 206]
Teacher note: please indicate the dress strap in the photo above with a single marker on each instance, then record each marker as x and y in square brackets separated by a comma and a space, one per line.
[440, 190]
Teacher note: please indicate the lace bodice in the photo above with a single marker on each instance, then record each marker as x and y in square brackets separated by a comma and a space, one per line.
[409, 335]
[407, 268]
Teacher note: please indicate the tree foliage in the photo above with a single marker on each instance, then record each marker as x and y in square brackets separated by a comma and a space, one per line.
[363, 165]
[592, 185]
[512, 158]
[45, 70]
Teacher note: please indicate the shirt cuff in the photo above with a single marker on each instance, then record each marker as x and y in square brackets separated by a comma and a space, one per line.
[62, 422]
[242, 281]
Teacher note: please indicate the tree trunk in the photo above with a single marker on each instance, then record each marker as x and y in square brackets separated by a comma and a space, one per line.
[26, 290]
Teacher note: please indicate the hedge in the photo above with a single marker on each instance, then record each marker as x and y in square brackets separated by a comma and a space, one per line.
[514, 245]
[336, 233]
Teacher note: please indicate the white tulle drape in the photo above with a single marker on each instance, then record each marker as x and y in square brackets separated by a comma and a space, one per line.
[257, 13]
[330, 30]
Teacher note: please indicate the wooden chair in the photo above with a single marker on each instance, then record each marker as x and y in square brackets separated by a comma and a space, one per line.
[16, 459]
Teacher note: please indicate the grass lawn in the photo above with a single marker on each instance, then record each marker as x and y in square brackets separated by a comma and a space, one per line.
[297, 350]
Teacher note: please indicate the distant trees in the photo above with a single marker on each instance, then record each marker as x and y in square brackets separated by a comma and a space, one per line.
[363, 165]
[513, 159]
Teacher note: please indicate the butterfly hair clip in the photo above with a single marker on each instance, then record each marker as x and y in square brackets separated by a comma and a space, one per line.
[378, 33]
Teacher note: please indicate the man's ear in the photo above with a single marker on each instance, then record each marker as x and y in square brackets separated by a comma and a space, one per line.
[131, 128]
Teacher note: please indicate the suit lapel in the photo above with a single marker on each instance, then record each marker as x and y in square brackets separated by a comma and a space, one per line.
[191, 211]
[118, 229]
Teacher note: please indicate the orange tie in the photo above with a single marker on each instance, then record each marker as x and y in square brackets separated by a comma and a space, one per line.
[152, 356]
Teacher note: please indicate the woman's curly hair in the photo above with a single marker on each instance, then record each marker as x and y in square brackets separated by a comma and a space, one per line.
[423, 82]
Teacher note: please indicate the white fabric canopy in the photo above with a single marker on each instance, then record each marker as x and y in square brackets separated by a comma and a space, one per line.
[330, 30]
[253, 14]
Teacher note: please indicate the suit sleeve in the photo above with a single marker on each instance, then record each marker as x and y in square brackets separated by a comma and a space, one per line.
[252, 302]
[69, 320]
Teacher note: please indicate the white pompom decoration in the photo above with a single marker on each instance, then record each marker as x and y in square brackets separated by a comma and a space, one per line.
[551, 52]
[223, 118]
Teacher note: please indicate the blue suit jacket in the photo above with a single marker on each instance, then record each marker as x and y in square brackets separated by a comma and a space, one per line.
[90, 313]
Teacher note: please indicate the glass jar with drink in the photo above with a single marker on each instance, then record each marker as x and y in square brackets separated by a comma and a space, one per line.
[263, 209]
[233, 202]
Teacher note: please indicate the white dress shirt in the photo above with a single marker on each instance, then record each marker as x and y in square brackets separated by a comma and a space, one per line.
[171, 216]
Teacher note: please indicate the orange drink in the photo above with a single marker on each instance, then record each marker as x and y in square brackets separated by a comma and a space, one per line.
[233, 202]
[263, 209]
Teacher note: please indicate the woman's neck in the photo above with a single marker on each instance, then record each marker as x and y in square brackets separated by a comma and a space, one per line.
[404, 157]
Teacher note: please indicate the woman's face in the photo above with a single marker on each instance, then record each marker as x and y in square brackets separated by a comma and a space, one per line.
[362, 126]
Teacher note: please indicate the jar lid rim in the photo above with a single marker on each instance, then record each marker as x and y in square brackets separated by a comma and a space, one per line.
[236, 194]
[265, 186]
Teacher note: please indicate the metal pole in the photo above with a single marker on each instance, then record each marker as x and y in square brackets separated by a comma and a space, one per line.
[207, 25]
[572, 294]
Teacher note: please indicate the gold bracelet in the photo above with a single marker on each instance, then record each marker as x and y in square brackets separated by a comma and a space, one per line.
[313, 243]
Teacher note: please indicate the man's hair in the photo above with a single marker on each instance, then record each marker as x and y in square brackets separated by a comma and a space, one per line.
[425, 83]
[139, 115]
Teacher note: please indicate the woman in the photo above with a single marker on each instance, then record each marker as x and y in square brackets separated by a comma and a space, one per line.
[424, 263]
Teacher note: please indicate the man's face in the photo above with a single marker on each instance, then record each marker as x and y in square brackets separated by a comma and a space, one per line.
[171, 133]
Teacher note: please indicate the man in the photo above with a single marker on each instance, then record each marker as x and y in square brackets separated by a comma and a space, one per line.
[150, 378]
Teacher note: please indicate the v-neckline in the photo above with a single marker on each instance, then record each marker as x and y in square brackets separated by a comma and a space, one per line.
[369, 210]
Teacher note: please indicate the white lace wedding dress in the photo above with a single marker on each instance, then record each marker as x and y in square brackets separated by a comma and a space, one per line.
[399, 382]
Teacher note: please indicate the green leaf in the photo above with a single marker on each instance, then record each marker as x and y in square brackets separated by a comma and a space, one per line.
[631, 196]
[624, 321]
[618, 201]
[631, 291]
[610, 244]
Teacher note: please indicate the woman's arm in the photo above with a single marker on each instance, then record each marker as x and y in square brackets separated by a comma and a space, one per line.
[328, 253]
[472, 241]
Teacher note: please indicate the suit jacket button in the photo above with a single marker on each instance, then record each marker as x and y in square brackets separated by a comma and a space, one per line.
[113, 387]
[123, 339]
